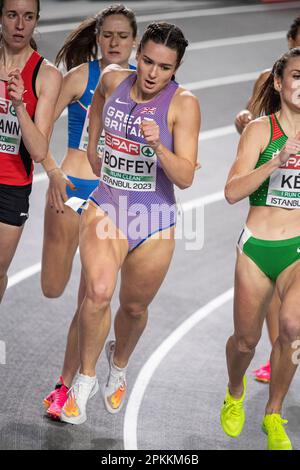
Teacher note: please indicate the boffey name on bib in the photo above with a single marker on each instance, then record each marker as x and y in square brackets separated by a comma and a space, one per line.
[128, 165]
[84, 140]
[10, 132]
[284, 185]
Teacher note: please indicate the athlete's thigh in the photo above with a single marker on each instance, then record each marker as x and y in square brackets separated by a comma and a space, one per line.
[9, 239]
[145, 269]
[288, 285]
[101, 256]
[275, 303]
[252, 294]
[61, 235]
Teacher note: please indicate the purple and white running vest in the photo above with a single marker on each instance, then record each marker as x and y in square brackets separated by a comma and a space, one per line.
[135, 190]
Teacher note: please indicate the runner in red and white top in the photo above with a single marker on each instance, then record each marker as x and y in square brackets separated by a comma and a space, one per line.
[29, 89]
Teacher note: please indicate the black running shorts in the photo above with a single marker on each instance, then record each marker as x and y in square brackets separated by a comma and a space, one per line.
[14, 204]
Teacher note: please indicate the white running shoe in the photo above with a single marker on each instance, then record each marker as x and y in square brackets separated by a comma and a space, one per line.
[114, 391]
[74, 410]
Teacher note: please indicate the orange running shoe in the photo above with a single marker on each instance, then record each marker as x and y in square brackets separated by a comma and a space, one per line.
[114, 391]
[74, 409]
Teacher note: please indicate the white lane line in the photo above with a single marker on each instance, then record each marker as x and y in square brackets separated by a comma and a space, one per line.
[221, 81]
[45, 29]
[24, 274]
[218, 132]
[202, 201]
[219, 11]
[39, 177]
[205, 135]
[149, 368]
[234, 41]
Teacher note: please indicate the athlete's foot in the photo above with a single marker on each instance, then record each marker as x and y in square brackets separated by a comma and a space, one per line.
[56, 400]
[74, 409]
[263, 374]
[114, 391]
[49, 399]
[233, 414]
[278, 439]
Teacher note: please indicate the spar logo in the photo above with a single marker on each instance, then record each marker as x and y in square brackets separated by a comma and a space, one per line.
[12, 110]
[147, 151]
[293, 163]
[4, 106]
[122, 145]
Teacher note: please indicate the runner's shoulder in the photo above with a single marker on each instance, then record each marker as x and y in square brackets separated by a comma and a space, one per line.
[49, 71]
[184, 100]
[48, 77]
[77, 74]
[260, 124]
[264, 74]
[113, 75]
[258, 130]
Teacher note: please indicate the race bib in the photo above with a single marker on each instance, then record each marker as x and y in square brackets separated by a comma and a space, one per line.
[10, 132]
[128, 165]
[84, 140]
[284, 185]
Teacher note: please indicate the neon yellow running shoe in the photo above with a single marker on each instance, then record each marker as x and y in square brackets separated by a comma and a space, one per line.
[278, 439]
[233, 414]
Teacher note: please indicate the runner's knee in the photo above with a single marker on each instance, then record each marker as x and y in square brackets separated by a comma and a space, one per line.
[99, 293]
[134, 310]
[247, 343]
[289, 329]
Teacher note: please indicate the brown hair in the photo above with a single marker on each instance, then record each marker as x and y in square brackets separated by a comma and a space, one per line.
[33, 44]
[268, 100]
[81, 44]
[293, 31]
[169, 35]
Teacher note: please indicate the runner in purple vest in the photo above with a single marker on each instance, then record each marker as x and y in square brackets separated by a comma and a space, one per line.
[152, 128]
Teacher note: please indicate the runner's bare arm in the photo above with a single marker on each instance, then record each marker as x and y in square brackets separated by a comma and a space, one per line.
[73, 86]
[180, 165]
[244, 178]
[246, 115]
[36, 135]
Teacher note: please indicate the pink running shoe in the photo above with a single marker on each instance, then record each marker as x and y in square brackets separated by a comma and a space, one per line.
[49, 399]
[263, 374]
[59, 397]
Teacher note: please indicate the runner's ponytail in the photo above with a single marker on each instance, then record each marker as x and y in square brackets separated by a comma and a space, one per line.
[268, 100]
[81, 45]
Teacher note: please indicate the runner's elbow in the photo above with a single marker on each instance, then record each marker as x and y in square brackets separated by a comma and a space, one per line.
[229, 195]
[39, 157]
[185, 184]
